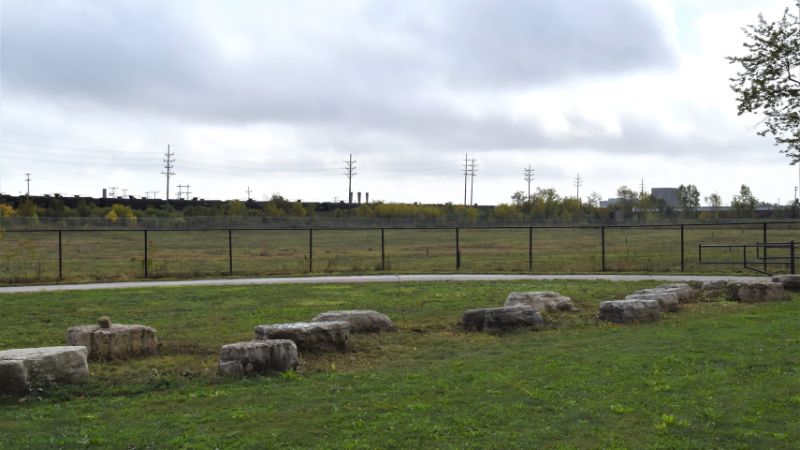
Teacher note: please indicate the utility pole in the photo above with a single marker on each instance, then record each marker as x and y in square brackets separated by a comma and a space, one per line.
[472, 179]
[180, 191]
[578, 183]
[466, 173]
[28, 180]
[349, 171]
[249, 191]
[641, 193]
[168, 160]
[529, 178]
[186, 191]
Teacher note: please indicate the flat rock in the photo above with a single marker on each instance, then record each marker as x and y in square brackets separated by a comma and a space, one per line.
[26, 368]
[685, 292]
[309, 336]
[790, 282]
[667, 300]
[756, 292]
[714, 290]
[501, 319]
[541, 301]
[117, 342]
[361, 321]
[630, 311]
[258, 357]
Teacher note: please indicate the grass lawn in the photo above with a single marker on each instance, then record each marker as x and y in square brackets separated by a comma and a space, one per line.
[715, 375]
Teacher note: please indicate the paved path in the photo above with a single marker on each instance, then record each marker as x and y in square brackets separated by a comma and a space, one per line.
[363, 279]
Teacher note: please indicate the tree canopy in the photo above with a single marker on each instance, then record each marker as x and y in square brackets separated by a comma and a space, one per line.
[769, 82]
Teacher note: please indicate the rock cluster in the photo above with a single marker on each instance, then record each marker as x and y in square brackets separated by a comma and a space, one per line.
[26, 368]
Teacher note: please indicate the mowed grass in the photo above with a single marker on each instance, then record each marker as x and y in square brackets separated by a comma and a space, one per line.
[119, 255]
[714, 375]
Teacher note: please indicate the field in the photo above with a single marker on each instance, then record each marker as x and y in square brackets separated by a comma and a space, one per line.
[715, 375]
[119, 255]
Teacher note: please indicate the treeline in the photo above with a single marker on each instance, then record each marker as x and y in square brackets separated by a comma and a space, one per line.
[542, 206]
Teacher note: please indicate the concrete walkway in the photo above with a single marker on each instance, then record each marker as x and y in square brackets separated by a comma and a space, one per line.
[365, 279]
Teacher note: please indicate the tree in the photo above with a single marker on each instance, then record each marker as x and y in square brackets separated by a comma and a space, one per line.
[593, 199]
[745, 203]
[689, 198]
[766, 85]
[715, 202]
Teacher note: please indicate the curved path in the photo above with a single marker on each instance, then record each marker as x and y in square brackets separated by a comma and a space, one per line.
[366, 279]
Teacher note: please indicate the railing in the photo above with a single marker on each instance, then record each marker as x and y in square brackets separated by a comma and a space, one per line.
[761, 257]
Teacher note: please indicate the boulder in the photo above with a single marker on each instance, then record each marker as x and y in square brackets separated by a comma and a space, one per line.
[714, 290]
[685, 292]
[361, 321]
[756, 292]
[630, 311]
[501, 319]
[258, 357]
[790, 282]
[541, 301]
[309, 336]
[116, 342]
[667, 300]
[27, 368]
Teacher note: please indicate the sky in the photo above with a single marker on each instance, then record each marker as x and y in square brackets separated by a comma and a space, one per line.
[273, 96]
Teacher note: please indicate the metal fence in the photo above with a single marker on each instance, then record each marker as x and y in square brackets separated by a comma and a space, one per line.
[115, 254]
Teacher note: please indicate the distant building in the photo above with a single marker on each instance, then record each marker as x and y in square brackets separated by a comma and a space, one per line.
[669, 195]
[609, 202]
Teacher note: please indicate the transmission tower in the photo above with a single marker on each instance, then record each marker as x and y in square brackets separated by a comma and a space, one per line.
[180, 191]
[641, 193]
[466, 174]
[28, 180]
[249, 191]
[472, 178]
[529, 177]
[186, 191]
[168, 161]
[350, 172]
[578, 182]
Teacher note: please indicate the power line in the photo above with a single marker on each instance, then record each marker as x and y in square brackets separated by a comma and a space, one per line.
[168, 160]
[350, 173]
[529, 177]
[578, 182]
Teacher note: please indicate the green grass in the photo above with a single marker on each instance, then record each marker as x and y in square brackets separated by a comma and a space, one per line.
[717, 375]
[119, 255]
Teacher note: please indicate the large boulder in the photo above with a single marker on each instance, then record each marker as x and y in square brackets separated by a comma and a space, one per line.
[756, 292]
[714, 290]
[685, 292]
[258, 357]
[541, 301]
[26, 368]
[361, 321]
[630, 311]
[501, 319]
[790, 282]
[309, 336]
[667, 300]
[116, 342]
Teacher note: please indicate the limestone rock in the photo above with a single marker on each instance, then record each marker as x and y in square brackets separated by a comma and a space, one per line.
[541, 301]
[667, 300]
[685, 292]
[790, 282]
[258, 357]
[117, 342]
[630, 311]
[309, 336]
[361, 321]
[714, 290]
[501, 319]
[26, 368]
[756, 292]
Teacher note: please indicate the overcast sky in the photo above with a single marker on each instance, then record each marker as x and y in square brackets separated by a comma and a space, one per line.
[274, 95]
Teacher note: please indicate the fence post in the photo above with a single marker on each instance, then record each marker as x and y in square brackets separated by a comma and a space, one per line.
[383, 251]
[60, 254]
[145, 252]
[791, 258]
[683, 263]
[530, 249]
[310, 250]
[765, 246]
[458, 252]
[602, 248]
[230, 251]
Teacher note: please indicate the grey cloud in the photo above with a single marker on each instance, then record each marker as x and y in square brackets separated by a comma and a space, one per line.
[160, 57]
